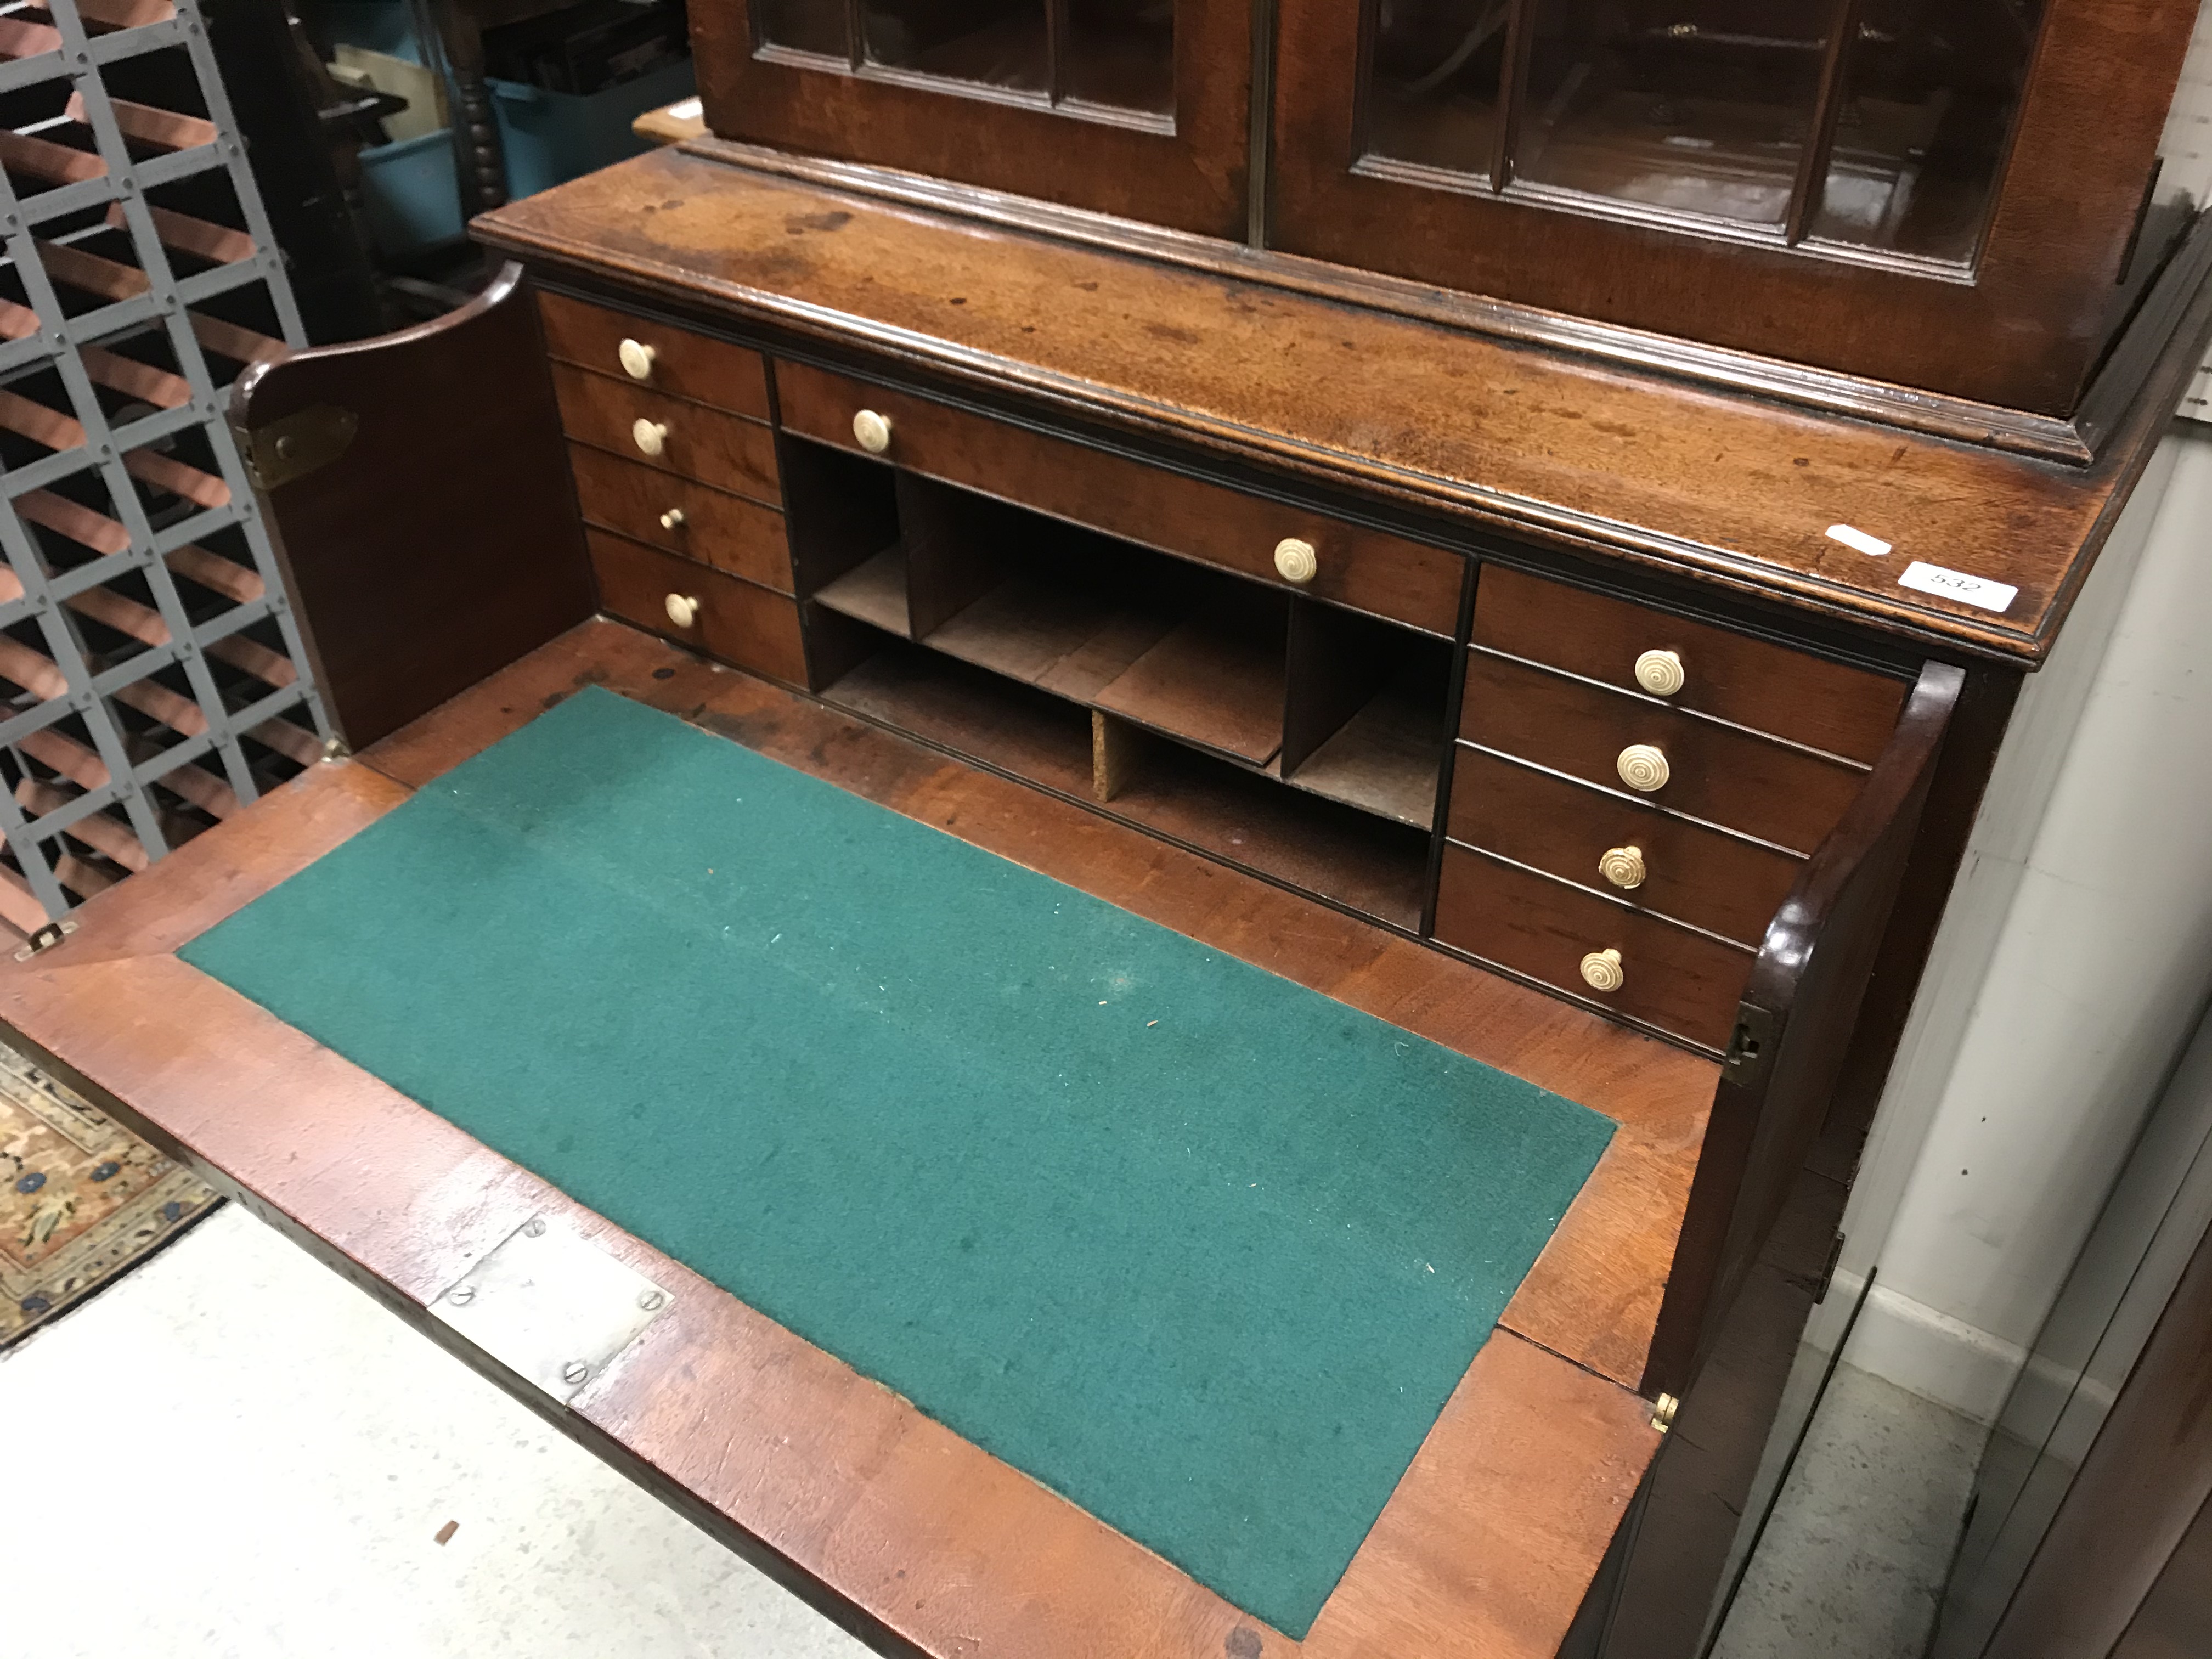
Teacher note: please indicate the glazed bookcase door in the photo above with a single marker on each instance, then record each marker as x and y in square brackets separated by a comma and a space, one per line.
[1941, 193]
[1136, 108]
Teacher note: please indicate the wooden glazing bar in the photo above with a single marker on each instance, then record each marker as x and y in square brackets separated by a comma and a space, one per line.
[1055, 49]
[1513, 82]
[1805, 194]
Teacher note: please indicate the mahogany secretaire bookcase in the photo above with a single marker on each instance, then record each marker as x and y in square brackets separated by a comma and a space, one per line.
[1526, 518]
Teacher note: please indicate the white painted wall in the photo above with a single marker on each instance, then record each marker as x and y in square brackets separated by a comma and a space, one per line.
[2074, 960]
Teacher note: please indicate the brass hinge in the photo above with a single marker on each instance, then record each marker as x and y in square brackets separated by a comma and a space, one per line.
[46, 938]
[297, 444]
[1662, 1412]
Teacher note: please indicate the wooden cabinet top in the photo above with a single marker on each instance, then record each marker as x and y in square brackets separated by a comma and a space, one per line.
[1442, 432]
[1959, 196]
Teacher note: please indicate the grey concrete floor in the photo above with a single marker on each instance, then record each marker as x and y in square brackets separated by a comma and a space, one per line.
[232, 1454]
[1853, 1562]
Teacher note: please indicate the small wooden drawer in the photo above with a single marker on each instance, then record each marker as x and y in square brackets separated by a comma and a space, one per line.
[677, 361]
[1681, 982]
[734, 621]
[1731, 676]
[725, 451]
[727, 532]
[1738, 780]
[1711, 880]
[1362, 570]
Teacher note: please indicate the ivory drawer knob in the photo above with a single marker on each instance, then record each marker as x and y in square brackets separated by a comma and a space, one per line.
[1622, 865]
[1643, 767]
[1296, 560]
[872, 431]
[650, 436]
[683, 609]
[636, 359]
[672, 520]
[1660, 673]
[1601, 970]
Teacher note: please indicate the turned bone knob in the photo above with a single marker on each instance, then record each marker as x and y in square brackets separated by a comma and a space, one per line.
[683, 609]
[1660, 673]
[650, 436]
[672, 520]
[1643, 767]
[1296, 560]
[1601, 970]
[872, 431]
[1622, 865]
[636, 359]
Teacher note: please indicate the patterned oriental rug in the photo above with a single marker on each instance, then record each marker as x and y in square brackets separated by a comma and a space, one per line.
[81, 1200]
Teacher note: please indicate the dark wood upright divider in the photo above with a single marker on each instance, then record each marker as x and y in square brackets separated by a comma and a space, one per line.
[433, 547]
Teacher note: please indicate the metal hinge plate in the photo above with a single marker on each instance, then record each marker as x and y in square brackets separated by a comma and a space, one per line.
[297, 444]
[46, 938]
[552, 1308]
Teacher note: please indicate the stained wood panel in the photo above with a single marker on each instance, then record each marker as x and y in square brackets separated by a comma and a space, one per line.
[1733, 676]
[684, 364]
[1682, 982]
[1175, 514]
[735, 622]
[725, 451]
[1694, 873]
[727, 531]
[1735, 778]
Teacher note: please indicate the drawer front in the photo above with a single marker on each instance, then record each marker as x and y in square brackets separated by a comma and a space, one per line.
[1731, 778]
[722, 450]
[1364, 569]
[727, 532]
[1690, 873]
[1670, 977]
[1732, 677]
[681, 363]
[736, 622]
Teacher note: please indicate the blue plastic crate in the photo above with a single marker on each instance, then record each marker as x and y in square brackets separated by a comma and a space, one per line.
[411, 192]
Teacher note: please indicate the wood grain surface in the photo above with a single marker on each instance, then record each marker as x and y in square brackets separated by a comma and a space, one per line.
[907, 1534]
[1383, 575]
[735, 622]
[728, 452]
[1572, 453]
[695, 367]
[1721, 773]
[729, 532]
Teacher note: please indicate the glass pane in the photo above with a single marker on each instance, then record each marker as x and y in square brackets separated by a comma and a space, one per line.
[1929, 97]
[803, 26]
[998, 43]
[1700, 107]
[1121, 53]
[1432, 94]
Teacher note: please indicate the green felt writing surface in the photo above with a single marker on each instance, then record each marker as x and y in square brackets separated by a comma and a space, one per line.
[1199, 1249]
